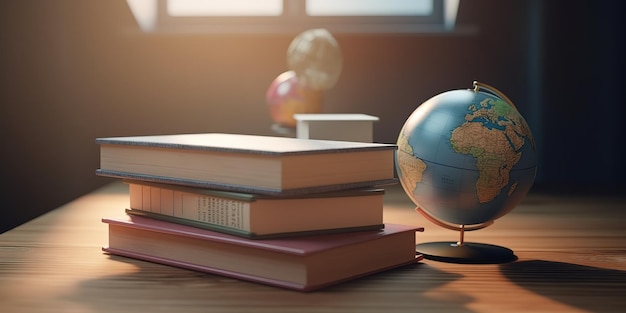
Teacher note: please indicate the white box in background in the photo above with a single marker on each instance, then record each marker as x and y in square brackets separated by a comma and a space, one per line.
[331, 126]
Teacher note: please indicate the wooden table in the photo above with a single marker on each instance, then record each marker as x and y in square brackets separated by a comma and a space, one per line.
[571, 258]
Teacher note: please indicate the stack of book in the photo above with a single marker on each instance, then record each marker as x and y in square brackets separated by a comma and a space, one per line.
[295, 213]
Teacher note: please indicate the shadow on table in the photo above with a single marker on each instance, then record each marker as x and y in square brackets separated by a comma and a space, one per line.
[586, 287]
[154, 287]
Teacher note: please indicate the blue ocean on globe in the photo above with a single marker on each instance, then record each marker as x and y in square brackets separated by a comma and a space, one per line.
[466, 157]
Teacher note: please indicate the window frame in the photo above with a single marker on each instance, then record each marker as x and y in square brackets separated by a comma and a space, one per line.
[294, 19]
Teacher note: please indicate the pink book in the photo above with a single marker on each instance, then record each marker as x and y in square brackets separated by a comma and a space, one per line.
[302, 263]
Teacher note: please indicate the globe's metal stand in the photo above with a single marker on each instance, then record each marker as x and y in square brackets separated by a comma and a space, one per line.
[461, 251]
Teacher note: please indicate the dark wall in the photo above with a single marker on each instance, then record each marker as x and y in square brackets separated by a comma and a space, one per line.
[582, 82]
[73, 70]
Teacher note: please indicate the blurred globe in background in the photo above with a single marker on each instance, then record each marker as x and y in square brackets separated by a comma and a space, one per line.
[286, 96]
[466, 157]
[315, 57]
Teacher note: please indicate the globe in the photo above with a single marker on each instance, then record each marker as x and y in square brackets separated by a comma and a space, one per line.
[286, 97]
[315, 57]
[466, 157]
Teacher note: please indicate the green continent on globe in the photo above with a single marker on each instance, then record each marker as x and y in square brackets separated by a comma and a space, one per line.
[411, 167]
[493, 134]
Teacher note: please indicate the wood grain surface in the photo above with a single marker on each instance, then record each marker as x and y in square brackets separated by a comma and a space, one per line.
[571, 258]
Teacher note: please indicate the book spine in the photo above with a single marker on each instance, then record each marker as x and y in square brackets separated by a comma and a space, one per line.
[220, 211]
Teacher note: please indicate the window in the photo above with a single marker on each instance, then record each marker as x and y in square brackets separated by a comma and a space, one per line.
[369, 8]
[224, 7]
[276, 16]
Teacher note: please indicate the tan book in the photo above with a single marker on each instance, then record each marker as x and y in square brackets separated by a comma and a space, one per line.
[258, 216]
[248, 163]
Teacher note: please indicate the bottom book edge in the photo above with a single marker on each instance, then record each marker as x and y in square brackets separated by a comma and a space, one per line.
[247, 277]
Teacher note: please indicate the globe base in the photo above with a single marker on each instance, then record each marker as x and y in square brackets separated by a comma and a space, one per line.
[467, 253]
[283, 130]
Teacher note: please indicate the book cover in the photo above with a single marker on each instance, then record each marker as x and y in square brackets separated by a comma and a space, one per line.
[303, 263]
[259, 216]
[247, 144]
[248, 163]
